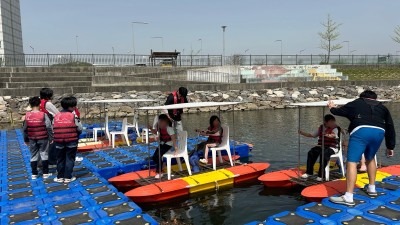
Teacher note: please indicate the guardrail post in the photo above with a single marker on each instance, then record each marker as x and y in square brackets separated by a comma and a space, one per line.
[250, 60]
[208, 60]
[352, 59]
[311, 59]
[134, 59]
[221, 61]
[266, 59]
[92, 59]
[48, 60]
[281, 59]
[365, 59]
[296, 59]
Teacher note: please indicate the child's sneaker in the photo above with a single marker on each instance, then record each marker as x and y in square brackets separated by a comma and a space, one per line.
[58, 180]
[305, 176]
[319, 179]
[47, 175]
[69, 180]
[158, 175]
[34, 177]
[204, 161]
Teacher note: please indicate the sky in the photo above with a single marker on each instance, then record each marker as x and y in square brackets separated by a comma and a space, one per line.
[104, 26]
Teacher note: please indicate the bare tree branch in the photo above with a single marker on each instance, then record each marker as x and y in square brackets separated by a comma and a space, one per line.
[330, 34]
[396, 37]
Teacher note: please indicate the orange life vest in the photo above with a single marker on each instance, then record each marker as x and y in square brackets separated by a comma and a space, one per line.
[64, 127]
[328, 142]
[164, 136]
[36, 125]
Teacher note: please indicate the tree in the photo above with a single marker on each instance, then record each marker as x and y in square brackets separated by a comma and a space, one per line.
[396, 37]
[328, 36]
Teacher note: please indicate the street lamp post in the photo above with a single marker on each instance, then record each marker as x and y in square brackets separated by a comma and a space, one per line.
[201, 45]
[162, 41]
[77, 46]
[348, 46]
[133, 35]
[33, 49]
[223, 44]
[281, 50]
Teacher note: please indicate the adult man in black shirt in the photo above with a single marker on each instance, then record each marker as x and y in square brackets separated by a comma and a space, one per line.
[370, 124]
[175, 115]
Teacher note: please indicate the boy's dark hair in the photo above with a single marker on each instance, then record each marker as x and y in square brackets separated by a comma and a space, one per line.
[212, 118]
[183, 91]
[46, 93]
[34, 101]
[164, 117]
[68, 102]
[368, 94]
[329, 117]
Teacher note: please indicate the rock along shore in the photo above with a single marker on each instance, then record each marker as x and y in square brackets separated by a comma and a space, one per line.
[14, 108]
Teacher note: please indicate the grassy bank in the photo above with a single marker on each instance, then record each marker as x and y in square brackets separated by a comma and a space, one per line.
[371, 73]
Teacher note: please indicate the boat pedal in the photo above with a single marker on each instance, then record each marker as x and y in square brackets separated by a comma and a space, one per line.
[18, 195]
[386, 212]
[388, 186]
[68, 207]
[60, 187]
[322, 210]
[107, 198]
[293, 218]
[133, 220]
[365, 194]
[359, 220]
[90, 182]
[96, 190]
[118, 209]
[76, 219]
[16, 218]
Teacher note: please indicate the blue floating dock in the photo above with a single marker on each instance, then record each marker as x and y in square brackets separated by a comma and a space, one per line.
[89, 200]
[383, 209]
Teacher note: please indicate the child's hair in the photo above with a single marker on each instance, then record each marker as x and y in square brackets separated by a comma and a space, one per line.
[68, 102]
[46, 93]
[368, 94]
[164, 117]
[329, 117]
[183, 91]
[34, 101]
[212, 118]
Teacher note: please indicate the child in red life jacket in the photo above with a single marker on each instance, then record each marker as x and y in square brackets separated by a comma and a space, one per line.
[167, 140]
[331, 145]
[214, 133]
[37, 126]
[46, 95]
[66, 129]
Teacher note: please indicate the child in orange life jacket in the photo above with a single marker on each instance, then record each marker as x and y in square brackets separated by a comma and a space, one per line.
[214, 133]
[167, 141]
[331, 142]
[66, 128]
[37, 126]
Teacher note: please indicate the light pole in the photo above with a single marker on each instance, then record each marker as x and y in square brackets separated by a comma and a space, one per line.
[33, 49]
[133, 34]
[201, 45]
[281, 44]
[348, 46]
[301, 51]
[223, 44]
[162, 42]
[77, 46]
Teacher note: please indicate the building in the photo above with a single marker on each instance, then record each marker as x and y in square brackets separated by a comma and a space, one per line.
[11, 48]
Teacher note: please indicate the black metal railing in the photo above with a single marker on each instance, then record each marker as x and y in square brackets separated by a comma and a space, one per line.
[43, 60]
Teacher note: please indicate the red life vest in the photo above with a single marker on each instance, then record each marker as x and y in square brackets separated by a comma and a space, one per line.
[328, 142]
[175, 95]
[42, 108]
[77, 113]
[164, 136]
[36, 125]
[64, 127]
[215, 138]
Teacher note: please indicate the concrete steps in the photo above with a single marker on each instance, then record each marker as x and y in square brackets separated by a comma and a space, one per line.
[43, 78]
[47, 84]
[46, 74]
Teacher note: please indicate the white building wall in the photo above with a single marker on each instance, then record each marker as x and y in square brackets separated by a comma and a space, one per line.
[11, 47]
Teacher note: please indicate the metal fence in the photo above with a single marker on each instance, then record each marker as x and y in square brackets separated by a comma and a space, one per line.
[40, 60]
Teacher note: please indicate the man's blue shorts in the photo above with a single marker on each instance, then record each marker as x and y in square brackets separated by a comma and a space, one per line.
[364, 140]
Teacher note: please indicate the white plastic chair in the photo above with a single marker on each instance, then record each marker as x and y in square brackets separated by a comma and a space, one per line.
[105, 128]
[338, 155]
[146, 132]
[223, 146]
[135, 124]
[122, 132]
[182, 153]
